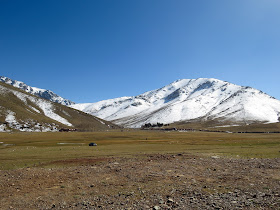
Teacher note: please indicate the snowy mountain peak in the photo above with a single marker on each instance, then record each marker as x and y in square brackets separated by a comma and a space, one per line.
[46, 94]
[189, 99]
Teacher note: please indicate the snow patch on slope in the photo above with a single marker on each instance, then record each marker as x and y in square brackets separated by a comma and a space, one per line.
[10, 117]
[49, 112]
[3, 128]
[44, 105]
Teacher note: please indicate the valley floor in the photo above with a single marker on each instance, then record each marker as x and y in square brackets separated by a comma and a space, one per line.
[156, 181]
[139, 170]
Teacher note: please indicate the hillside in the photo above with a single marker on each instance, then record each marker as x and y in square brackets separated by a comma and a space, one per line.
[20, 111]
[46, 94]
[187, 100]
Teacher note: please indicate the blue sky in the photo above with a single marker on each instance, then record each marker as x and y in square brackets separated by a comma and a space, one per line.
[92, 50]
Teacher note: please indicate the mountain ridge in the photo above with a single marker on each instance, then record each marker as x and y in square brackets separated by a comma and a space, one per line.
[43, 93]
[189, 99]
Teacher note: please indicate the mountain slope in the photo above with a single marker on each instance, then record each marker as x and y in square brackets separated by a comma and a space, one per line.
[25, 112]
[46, 94]
[189, 99]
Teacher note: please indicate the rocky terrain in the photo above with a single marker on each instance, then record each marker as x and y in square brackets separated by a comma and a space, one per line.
[180, 181]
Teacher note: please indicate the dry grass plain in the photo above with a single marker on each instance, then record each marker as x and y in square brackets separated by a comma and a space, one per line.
[35, 149]
[139, 170]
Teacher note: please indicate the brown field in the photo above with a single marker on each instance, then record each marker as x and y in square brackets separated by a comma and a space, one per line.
[219, 125]
[139, 170]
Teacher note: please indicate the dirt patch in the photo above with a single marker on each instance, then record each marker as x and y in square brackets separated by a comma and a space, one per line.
[180, 181]
[77, 161]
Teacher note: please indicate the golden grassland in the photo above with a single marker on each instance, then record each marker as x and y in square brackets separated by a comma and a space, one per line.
[42, 149]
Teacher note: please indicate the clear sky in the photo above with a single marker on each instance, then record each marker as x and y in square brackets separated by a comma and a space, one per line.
[91, 50]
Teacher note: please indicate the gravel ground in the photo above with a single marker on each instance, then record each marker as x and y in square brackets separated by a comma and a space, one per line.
[180, 181]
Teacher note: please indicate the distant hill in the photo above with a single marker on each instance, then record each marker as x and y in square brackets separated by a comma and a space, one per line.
[21, 111]
[200, 100]
[46, 94]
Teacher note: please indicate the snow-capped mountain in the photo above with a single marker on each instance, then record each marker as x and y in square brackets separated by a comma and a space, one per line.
[25, 112]
[46, 94]
[189, 99]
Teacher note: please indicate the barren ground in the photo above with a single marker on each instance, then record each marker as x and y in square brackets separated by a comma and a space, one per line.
[156, 181]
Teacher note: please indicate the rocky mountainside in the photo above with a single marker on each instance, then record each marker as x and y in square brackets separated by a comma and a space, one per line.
[25, 112]
[46, 94]
[187, 100]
